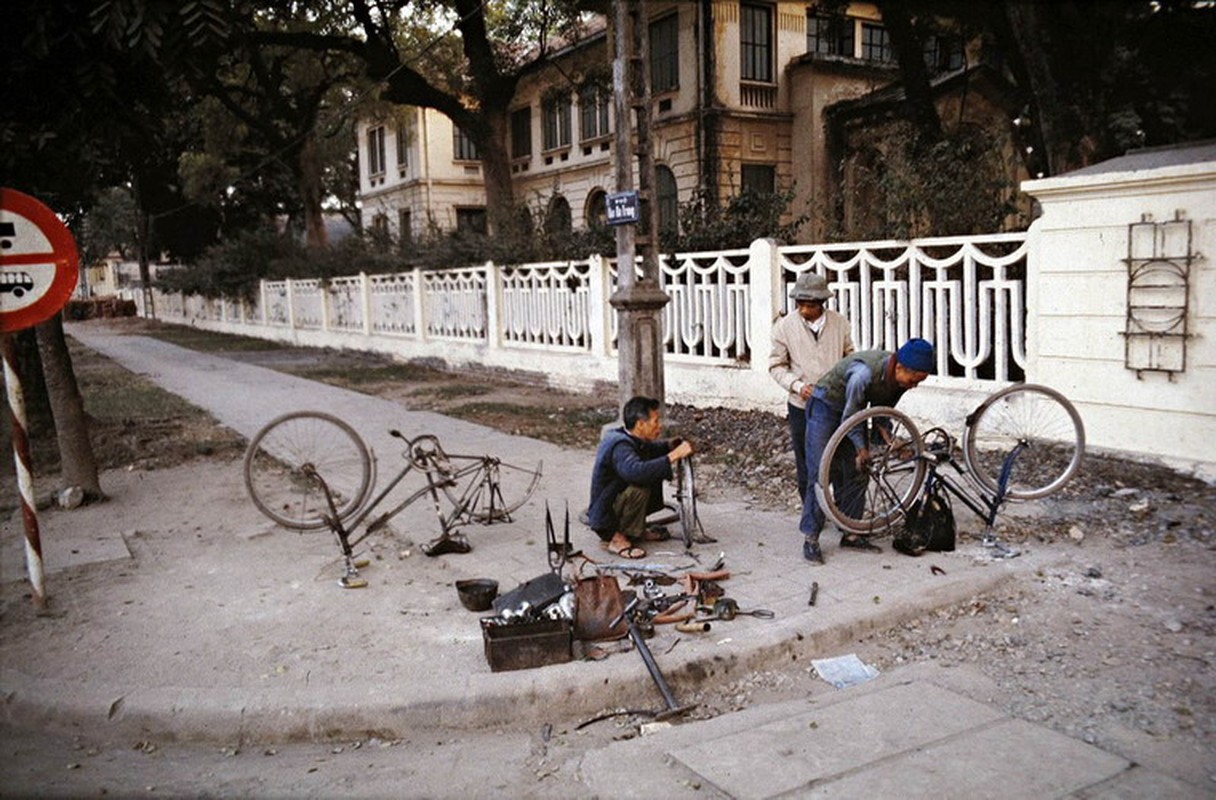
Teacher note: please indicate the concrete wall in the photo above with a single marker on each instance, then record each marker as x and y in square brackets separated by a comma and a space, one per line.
[1078, 303]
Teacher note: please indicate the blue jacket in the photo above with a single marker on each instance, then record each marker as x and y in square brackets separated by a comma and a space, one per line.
[624, 460]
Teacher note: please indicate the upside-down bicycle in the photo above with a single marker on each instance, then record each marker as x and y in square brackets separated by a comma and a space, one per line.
[308, 470]
[1023, 442]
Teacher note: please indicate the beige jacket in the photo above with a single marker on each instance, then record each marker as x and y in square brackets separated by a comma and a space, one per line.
[798, 358]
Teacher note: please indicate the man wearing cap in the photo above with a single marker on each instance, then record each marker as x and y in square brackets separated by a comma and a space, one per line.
[806, 344]
[869, 377]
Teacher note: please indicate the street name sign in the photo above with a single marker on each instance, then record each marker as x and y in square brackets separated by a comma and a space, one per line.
[623, 208]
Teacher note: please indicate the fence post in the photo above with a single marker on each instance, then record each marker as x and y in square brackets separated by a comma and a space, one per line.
[764, 278]
[291, 306]
[419, 305]
[597, 305]
[365, 297]
[493, 305]
[262, 303]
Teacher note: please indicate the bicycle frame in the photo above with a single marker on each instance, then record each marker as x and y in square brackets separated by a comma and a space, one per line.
[439, 474]
[966, 488]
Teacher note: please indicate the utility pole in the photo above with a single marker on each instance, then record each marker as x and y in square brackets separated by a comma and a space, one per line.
[638, 300]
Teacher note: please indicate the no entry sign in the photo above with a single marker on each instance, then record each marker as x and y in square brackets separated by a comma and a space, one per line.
[39, 264]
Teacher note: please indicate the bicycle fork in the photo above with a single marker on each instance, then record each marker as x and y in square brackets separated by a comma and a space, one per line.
[1000, 549]
[350, 573]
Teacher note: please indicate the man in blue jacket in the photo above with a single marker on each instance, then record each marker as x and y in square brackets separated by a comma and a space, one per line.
[627, 479]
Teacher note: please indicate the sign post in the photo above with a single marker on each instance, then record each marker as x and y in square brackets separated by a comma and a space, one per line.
[39, 266]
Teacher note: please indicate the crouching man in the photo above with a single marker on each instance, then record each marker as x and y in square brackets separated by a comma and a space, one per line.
[627, 480]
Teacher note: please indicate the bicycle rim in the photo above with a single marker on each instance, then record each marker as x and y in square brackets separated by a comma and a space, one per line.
[874, 499]
[278, 460]
[1043, 422]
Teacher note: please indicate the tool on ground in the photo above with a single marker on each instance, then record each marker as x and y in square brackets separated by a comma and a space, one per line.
[558, 553]
[693, 626]
[814, 593]
[641, 611]
[726, 608]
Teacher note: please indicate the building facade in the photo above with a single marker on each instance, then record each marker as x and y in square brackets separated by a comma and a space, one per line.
[741, 94]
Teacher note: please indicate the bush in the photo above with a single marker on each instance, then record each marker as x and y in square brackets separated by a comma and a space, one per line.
[99, 307]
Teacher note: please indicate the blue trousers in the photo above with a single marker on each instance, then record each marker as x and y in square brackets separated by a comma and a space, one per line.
[797, 422]
[822, 420]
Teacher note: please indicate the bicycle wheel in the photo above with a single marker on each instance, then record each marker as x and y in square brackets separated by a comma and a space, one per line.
[875, 497]
[492, 491]
[1038, 427]
[283, 455]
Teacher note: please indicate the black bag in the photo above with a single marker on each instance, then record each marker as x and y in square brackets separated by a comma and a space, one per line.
[928, 526]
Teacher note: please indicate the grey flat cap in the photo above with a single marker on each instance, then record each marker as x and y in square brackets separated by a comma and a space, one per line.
[810, 286]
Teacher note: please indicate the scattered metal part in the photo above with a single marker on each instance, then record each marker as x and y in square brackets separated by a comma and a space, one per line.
[640, 612]
[814, 593]
[640, 712]
[726, 608]
[934, 569]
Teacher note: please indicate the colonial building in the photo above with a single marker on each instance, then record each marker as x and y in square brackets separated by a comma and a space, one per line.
[743, 94]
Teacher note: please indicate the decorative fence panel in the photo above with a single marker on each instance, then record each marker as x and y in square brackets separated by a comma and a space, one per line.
[345, 298]
[391, 303]
[455, 303]
[546, 305]
[708, 313]
[308, 303]
[965, 294]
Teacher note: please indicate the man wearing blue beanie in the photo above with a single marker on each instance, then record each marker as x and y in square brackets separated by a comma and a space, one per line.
[865, 378]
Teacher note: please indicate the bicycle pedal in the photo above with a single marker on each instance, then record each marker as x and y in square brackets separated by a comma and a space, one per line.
[355, 582]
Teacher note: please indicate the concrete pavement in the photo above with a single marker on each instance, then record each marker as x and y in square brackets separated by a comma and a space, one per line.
[178, 611]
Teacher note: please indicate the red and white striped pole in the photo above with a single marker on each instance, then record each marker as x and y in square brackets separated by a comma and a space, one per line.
[25, 481]
[40, 267]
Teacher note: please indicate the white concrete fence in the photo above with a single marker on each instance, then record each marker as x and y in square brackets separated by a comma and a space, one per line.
[553, 320]
[1051, 306]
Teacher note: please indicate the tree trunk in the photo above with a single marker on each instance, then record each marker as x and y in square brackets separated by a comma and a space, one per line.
[77, 467]
[909, 51]
[310, 193]
[496, 164]
[1025, 31]
[38, 417]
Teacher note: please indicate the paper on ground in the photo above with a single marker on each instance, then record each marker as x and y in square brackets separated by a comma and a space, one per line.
[844, 671]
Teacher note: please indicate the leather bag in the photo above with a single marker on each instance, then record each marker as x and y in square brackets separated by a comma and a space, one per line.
[598, 601]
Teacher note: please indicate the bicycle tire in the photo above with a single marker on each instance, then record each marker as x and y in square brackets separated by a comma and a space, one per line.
[878, 498]
[1038, 417]
[686, 497]
[275, 475]
[494, 491]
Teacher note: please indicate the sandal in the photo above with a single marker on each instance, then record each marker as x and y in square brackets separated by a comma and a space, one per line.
[629, 551]
[655, 533]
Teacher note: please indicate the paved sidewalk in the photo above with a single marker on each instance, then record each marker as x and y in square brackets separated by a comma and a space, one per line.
[222, 627]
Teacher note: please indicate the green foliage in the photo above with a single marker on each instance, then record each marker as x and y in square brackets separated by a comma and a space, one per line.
[705, 225]
[111, 225]
[955, 186]
[233, 267]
